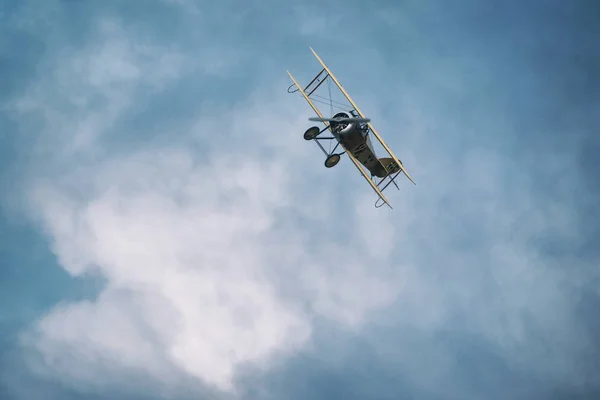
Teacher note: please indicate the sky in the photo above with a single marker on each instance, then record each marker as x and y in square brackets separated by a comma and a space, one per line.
[166, 233]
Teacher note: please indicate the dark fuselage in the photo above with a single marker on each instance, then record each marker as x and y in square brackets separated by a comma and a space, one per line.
[355, 139]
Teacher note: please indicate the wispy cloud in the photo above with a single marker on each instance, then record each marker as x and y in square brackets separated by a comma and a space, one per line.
[230, 256]
[190, 246]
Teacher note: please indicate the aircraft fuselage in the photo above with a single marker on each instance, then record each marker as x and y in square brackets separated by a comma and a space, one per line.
[355, 139]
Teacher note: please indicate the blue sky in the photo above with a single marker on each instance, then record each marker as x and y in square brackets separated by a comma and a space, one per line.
[166, 232]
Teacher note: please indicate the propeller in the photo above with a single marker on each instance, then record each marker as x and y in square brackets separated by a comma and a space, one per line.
[340, 119]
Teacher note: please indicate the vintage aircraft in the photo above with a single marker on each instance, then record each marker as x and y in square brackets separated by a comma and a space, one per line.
[351, 130]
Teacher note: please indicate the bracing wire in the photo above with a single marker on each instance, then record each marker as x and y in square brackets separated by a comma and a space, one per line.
[330, 104]
[331, 101]
[330, 98]
[326, 103]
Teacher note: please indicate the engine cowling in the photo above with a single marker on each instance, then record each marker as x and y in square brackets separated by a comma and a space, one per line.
[342, 127]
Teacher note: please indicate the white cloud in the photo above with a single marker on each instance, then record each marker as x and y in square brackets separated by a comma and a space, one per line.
[176, 234]
[82, 93]
[222, 258]
[195, 253]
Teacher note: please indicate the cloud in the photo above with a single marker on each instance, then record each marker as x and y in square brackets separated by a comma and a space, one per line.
[194, 249]
[96, 84]
[193, 246]
[176, 248]
[226, 247]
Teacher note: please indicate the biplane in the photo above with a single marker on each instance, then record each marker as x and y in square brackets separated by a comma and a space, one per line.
[351, 130]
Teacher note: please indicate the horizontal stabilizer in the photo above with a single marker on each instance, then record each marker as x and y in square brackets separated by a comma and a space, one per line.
[386, 166]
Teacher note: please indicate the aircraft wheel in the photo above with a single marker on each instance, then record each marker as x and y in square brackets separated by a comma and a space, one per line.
[332, 160]
[311, 133]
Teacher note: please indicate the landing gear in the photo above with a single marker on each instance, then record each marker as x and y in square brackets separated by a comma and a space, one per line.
[332, 160]
[312, 133]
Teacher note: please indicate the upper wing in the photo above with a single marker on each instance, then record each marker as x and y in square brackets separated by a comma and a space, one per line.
[350, 155]
[385, 146]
